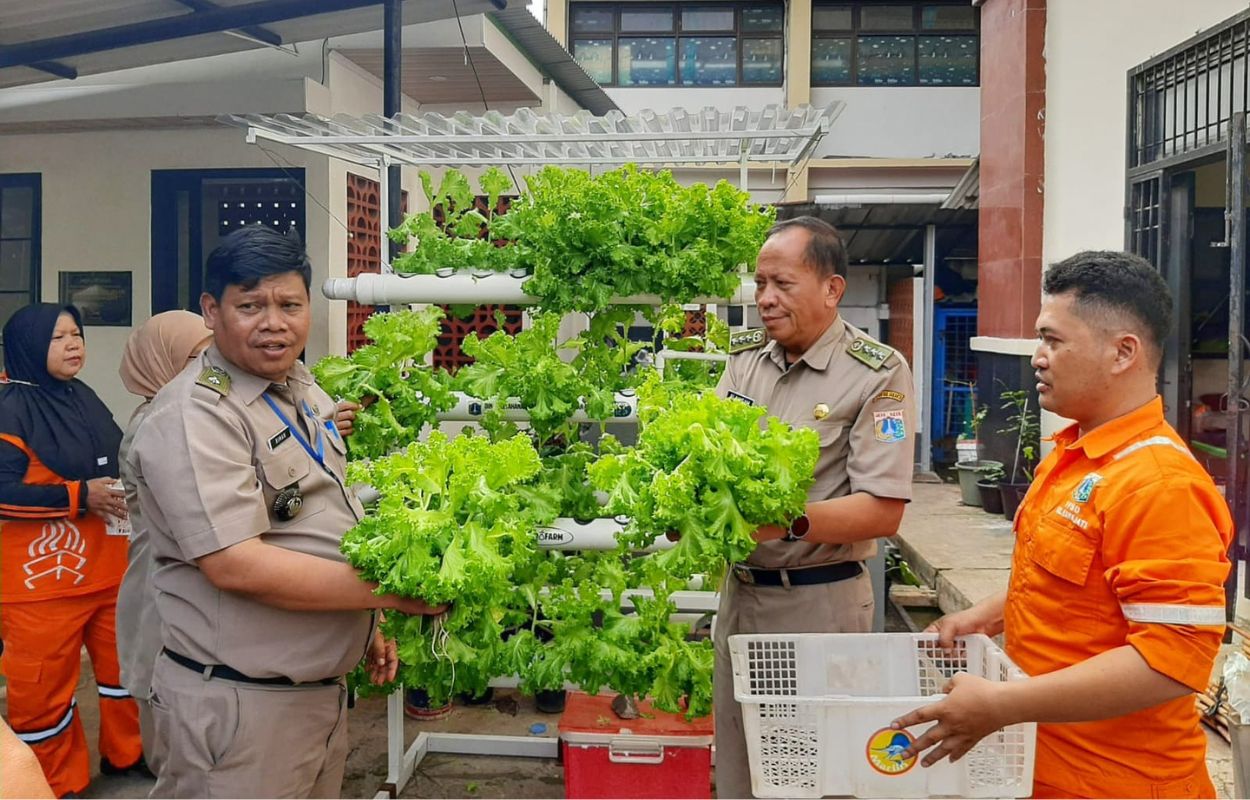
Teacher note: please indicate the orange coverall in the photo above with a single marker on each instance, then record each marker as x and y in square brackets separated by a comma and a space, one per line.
[59, 574]
[1122, 539]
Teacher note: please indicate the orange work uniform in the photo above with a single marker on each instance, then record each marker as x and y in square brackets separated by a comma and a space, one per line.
[59, 573]
[1122, 540]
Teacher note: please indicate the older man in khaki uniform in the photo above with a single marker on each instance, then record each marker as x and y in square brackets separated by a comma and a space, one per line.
[816, 371]
[240, 474]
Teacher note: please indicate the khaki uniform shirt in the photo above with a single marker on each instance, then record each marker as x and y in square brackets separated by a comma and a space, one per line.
[857, 395]
[209, 461]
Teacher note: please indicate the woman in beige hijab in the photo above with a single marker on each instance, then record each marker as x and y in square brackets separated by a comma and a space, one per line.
[155, 353]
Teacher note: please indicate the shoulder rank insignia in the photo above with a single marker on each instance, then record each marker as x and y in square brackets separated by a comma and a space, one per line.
[749, 339]
[215, 378]
[869, 352]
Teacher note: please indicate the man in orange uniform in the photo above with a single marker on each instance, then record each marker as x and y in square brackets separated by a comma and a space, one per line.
[1116, 601]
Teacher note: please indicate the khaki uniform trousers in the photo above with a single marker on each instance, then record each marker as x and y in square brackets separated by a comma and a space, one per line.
[222, 738]
[840, 607]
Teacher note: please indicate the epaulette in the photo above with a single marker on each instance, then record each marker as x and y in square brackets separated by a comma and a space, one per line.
[750, 339]
[215, 378]
[868, 352]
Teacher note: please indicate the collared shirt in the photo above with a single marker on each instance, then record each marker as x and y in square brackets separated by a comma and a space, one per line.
[1122, 539]
[209, 463]
[864, 416]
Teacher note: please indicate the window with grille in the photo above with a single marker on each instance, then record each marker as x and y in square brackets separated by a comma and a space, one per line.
[19, 244]
[895, 44]
[679, 44]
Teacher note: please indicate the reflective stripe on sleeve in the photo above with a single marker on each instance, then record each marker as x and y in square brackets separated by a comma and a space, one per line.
[1154, 441]
[35, 737]
[1165, 614]
[112, 691]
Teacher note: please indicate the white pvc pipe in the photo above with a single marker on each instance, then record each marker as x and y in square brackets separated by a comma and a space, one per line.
[592, 534]
[471, 409]
[476, 288]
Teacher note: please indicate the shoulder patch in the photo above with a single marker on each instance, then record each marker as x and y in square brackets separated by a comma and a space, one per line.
[869, 352]
[215, 378]
[749, 339]
[897, 397]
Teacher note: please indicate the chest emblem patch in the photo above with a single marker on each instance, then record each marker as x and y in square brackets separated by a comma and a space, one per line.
[1085, 489]
[888, 426]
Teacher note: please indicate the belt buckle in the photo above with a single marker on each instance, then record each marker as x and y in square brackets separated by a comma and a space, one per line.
[743, 573]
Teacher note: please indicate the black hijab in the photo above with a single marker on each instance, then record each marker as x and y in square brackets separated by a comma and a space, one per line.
[63, 422]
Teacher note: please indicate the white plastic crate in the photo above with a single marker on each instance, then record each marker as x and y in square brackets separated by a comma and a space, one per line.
[817, 708]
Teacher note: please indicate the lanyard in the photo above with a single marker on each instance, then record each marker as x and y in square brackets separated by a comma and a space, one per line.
[318, 455]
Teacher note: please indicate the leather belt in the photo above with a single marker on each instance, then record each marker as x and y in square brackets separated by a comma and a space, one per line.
[231, 674]
[798, 576]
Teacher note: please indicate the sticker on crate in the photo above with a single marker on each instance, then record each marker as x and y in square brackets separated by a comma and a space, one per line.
[885, 751]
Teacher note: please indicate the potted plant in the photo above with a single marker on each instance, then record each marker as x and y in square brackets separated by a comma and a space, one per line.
[968, 444]
[970, 471]
[987, 486]
[1024, 424]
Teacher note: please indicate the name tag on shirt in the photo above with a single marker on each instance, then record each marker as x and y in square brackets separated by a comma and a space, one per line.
[278, 438]
[102, 461]
[735, 396]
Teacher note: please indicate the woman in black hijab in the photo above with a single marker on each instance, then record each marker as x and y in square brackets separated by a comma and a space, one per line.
[62, 549]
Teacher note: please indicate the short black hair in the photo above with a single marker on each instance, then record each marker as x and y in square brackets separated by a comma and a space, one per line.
[826, 252]
[247, 256]
[1117, 282]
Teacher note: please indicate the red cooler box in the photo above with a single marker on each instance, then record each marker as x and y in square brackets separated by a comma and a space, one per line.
[656, 755]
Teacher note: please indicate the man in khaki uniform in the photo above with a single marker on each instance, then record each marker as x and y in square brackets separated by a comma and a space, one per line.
[816, 371]
[240, 474]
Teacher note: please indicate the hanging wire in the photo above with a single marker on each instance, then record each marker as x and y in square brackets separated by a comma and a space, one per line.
[291, 176]
[468, 57]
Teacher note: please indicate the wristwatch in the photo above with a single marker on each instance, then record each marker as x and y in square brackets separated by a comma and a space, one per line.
[798, 529]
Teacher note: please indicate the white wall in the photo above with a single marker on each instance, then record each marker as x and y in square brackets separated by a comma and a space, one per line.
[96, 190]
[663, 98]
[902, 121]
[1090, 46]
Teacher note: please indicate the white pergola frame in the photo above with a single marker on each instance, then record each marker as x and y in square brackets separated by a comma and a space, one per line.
[527, 138]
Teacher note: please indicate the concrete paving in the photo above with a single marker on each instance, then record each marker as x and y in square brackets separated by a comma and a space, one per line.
[965, 554]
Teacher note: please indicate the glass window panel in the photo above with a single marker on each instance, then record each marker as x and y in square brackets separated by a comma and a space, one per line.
[770, 18]
[17, 209]
[10, 302]
[647, 20]
[886, 60]
[831, 61]
[704, 18]
[595, 56]
[761, 61]
[15, 266]
[831, 18]
[709, 61]
[885, 18]
[948, 60]
[646, 62]
[948, 18]
[592, 19]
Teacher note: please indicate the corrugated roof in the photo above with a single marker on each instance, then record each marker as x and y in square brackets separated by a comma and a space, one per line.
[49, 39]
[893, 233]
[708, 136]
[553, 59]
